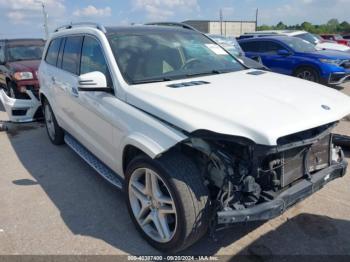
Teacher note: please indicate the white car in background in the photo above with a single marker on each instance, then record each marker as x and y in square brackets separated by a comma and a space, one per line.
[195, 139]
[319, 43]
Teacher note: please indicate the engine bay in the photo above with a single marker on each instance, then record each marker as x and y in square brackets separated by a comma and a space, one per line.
[242, 175]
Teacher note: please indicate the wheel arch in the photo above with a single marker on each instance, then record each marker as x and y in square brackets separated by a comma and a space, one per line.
[308, 65]
[139, 144]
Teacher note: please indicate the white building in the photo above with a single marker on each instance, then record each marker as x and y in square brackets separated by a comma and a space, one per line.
[226, 28]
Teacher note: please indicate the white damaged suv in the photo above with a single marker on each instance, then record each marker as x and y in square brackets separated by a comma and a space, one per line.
[197, 140]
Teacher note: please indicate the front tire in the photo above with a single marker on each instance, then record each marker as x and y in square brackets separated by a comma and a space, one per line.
[167, 200]
[54, 131]
[307, 73]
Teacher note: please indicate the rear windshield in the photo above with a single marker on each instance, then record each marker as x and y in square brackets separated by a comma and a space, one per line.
[308, 37]
[153, 56]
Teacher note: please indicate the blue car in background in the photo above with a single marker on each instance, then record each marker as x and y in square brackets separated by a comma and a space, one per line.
[231, 45]
[297, 57]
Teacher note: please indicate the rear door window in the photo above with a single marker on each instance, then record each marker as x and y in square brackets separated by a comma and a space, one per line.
[270, 47]
[252, 46]
[71, 54]
[52, 53]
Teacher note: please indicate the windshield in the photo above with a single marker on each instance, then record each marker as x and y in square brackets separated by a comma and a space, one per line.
[320, 39]
[309, 37]
[299, 45]
[229, 43]
[150, 56]
[19, 53]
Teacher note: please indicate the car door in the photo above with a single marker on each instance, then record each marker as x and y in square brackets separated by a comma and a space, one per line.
[88, 110]
[270, 57]
[251, 50]
[48, 76]
[64, 81]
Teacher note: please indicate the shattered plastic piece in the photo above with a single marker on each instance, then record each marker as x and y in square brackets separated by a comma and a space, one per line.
[20, 110]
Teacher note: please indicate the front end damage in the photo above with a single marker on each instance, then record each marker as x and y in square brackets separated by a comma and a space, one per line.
[21, 110]
[251, 182]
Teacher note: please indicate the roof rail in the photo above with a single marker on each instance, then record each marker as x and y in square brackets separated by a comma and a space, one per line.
[183, 25]
[90, 24]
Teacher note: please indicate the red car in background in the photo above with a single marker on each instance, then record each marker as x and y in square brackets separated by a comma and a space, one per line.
[338, 38]
[19, 63]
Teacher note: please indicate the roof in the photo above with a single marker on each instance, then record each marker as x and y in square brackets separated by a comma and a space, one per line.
[144, 28]
[273, 37]
[277, 32]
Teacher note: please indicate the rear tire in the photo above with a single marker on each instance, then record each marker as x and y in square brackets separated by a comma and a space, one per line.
[307, 73]
[179, 180]
[54, 131]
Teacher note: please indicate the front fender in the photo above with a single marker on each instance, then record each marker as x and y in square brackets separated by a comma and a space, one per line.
[148, 145]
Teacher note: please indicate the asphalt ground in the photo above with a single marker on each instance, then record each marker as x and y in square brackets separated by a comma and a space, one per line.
[53, 203]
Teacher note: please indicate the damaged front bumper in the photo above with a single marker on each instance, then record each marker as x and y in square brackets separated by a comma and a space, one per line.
[286, 199]
[20, 110]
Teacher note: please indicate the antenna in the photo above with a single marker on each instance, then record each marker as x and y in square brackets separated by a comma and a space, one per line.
[221, 18]
[46, 16]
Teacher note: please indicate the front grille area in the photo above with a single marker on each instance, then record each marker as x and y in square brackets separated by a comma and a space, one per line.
[346, 64]
[298, 162]
[290, 163]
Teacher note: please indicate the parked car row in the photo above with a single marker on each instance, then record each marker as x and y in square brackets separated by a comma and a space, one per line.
[296, 57]
[296, 53]
[318, 41]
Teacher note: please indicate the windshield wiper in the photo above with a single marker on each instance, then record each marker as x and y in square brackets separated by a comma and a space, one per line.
[146, 81]
[212, 72]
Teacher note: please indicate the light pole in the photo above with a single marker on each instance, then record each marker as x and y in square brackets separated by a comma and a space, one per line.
[46, 27]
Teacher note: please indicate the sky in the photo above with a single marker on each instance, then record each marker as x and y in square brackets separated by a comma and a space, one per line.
[24, 18]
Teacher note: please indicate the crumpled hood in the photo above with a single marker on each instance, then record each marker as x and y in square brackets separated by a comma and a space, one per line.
[25, 66]
[261, 107]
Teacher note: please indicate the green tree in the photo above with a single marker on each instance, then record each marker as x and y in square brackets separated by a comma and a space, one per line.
[308, 27]
[344, 27]
[264, 27]
[333, 25]
[280, 26]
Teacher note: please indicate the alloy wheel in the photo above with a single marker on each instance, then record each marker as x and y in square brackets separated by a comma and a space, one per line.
[152, 205]
[307, 75]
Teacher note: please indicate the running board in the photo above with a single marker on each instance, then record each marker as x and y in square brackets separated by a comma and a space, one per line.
[93, 161]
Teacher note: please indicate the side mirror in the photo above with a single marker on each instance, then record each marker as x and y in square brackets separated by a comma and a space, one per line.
[94, 81]
[283, 52]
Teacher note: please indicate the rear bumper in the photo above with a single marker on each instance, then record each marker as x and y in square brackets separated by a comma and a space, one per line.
[286, 199]
[20, 110]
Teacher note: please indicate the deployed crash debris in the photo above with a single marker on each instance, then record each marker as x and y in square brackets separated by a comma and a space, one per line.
[21, 110]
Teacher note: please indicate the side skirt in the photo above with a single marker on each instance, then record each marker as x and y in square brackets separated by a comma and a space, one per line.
[93, 161]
